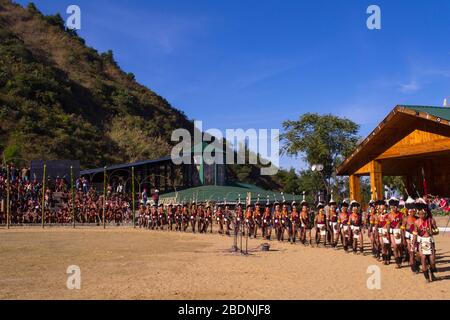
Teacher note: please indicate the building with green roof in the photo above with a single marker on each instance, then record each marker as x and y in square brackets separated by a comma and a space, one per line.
[412, 142]
[195, 181]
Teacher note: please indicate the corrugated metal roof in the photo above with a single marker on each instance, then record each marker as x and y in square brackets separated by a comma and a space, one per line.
[440, 112]
[229, 194]
[141, 163]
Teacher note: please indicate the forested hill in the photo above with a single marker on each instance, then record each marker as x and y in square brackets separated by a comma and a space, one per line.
[60, 99]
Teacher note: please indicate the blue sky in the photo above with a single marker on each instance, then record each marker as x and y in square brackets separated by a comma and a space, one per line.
[253, 64]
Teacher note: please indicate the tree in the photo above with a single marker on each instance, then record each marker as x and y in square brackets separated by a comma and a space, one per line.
[56, 20]
[305, 181]
[33, 9]
[109, 57]
[289, 181]
[250, 173]
[320, 139]
[131, 76]
[395, 183]
[310, 183]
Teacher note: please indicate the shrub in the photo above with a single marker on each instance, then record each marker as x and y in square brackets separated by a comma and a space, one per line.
[33, 9]
[55, 20]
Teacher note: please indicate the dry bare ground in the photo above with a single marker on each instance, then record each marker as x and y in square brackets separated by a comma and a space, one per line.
[122, 263]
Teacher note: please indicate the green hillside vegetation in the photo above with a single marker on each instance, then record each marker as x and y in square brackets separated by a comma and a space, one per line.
[62, 100]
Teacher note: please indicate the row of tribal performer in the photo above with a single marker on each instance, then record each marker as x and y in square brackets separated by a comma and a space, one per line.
[408, 237]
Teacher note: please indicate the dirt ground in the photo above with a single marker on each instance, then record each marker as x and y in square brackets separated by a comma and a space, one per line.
[442, 221]
[122, 263]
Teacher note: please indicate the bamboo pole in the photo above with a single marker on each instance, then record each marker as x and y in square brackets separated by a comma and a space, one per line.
[43, 195]
[7, 196]
[72, 196]
[133, 195]
[104, 196]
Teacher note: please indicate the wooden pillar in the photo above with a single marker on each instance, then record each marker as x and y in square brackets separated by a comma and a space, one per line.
[376, 180]
[355, 188]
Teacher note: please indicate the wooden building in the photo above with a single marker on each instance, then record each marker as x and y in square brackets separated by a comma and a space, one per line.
[412, 142]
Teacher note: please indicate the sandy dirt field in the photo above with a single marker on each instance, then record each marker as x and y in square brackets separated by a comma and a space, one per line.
[122, 263]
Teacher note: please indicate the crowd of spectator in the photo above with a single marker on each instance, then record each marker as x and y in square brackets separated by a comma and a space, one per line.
[439, 204]
[86, 205]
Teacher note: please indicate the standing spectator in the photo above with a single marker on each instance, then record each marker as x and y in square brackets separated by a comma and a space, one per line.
[144, 196]
[13, 173]
[155, 196]
[78, 184]
[119, 188]
[444, 205]
[24, 174]
[85, 185]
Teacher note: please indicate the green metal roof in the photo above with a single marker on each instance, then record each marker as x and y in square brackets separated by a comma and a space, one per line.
[440, 112]
[228, 193]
